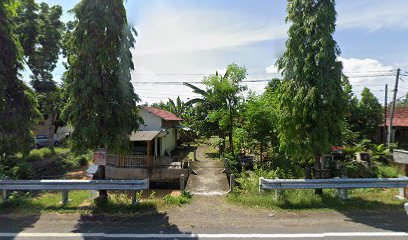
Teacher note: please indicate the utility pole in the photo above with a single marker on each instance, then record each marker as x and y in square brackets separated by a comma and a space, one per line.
[392, 108]
[385, 113]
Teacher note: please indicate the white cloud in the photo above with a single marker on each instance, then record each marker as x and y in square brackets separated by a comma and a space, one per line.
[271, 69]
[167, 30]
[373, 15]
[355, 67]
[196, 41]
[371, 73]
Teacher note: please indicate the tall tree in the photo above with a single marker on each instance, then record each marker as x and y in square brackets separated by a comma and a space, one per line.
[101, 103]
[369, 115]
[225, 93]
[311, 98]
[260, 120]
[350, 134]
[40, 31]
[17, 106]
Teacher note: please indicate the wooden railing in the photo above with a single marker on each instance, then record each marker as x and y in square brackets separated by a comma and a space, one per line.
[140, 161]
[128, 161]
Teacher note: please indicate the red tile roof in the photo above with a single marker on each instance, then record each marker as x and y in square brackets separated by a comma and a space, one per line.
[163, 114]
[400, 118]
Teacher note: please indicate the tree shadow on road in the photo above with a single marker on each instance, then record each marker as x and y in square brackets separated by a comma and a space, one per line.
[11, 222]
[127, 219]
[374, 213]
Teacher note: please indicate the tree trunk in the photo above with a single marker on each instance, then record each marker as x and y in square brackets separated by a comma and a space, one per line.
[51, 129]
[231, 131]
[103, 194]
[308, 172]
[318, 174]
[260, 151]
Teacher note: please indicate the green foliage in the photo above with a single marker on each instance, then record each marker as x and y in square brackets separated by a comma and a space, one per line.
[275, 168]
[217, 109]
[40, 31]
[18, 107]
[72, 161]
[387, 171]
[232, 166]
[22, 170]
[366, 116]
[362, 199]
[39, 154]
[260, 119]
[354, 169]
[311, 95]
[184, 198]
[101, 103]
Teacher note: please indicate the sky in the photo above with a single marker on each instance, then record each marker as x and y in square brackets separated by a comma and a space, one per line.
[184, 40]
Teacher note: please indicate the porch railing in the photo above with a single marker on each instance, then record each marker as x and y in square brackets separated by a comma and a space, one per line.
[140, 161]
[129, 160]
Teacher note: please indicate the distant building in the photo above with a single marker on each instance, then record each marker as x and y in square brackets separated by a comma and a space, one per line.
[399, 133]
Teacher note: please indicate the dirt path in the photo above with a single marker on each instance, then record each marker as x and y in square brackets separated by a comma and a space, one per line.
[209, 180]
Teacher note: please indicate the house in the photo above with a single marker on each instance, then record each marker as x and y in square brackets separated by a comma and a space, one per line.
[399, 133]
[45, 126]
[151, 150]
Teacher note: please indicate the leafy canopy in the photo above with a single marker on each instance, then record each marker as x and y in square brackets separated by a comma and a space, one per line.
[311, 96]
[18, 107]
[101, 103]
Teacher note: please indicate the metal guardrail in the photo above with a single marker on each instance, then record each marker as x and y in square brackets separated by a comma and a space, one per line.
[339, 183]
[66, 185]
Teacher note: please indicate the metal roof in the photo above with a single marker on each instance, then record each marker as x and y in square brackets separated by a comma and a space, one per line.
[143, 135]
[163, 114]
[400, 118]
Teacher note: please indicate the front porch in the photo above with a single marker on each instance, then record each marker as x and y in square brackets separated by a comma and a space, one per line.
[141, 161]
[155, 168]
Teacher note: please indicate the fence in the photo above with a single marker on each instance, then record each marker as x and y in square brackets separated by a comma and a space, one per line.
[128, 160]
[66, 185]
[338, 183]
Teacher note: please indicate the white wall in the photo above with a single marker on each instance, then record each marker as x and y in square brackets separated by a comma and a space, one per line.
[168, 142]
[151, 121]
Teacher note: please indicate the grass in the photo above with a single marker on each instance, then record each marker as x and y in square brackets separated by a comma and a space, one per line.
[184, 198]
[43, 153]
[360, 199]
[84, 202]
[40, 154]
[33, 203]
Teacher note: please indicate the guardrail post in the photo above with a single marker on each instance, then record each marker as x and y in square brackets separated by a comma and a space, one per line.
[4, 195]
[343, 193]
[261, 190]
[64, 197]
[195, 155]
[134, 198]
[182, 183]
[232, 183]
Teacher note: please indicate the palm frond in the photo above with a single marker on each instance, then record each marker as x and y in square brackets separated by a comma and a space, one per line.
[196, 89]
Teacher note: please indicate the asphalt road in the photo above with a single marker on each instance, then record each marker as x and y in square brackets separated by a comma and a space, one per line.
[154, 225]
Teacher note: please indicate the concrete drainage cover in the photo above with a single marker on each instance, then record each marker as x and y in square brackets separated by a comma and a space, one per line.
[214, 193]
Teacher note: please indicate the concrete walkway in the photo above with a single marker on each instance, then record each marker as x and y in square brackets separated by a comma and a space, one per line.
[209, 180]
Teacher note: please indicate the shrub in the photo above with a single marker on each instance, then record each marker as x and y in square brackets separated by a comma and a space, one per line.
[384, 171]
[232, 166]
[34, 155]
[22, 170]
[39, 154]
[356, 169]
[185, 197]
